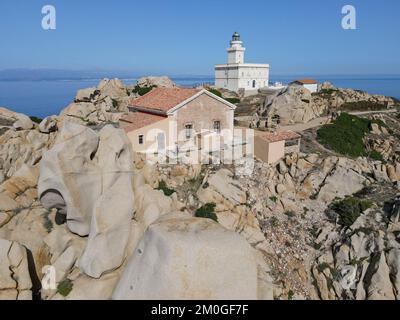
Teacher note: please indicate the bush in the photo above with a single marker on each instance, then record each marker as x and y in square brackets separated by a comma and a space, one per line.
[345, 135]
[327, 91]
[363, 106]
[216, 92]
[233, 100]
[141, 91]
[349, 209]
[36, 119]
[207, 211]
[47, 223]
[65, 287]
[3, 131]
[162, 185]
[375, 155]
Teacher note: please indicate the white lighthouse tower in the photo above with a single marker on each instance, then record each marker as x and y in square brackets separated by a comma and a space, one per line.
[236, 74]
[236, 50]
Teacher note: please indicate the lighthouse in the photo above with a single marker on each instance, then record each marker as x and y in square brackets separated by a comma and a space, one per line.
[237, 75]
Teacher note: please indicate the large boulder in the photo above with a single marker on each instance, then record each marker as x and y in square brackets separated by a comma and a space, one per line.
[88, 177]
[23, 122]
[49, 124]
[15, 281]
[292, 105]
[222, 190]
[156, 81]
[181, 257]
[342, 182]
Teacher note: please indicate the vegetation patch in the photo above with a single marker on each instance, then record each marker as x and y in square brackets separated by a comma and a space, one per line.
[363, 106]
[233, 100]
[345, 135]
[207, 211]
[47, 223]
[162, 185]
[274, 199]
[349, 209]
[375, 155]
[3, 131]
[36, 119]
[216, 92]
[327, 92]
[6, 122]
[141, 91]
[65, 287]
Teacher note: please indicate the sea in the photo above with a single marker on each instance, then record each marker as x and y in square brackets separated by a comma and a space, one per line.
[42, 98]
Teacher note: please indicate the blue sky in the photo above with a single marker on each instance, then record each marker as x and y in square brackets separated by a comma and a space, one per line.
[182, 37]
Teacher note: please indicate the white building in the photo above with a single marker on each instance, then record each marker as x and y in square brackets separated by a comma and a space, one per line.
[236, 74]
[309, 84]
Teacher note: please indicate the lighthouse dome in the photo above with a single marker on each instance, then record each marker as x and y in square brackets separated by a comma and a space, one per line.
[236, 37]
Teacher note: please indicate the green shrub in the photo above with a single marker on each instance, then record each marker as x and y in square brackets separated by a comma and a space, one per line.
[233, 100]
[349, 209]
[216, 92]
[327, 92]
[36, 119]
[207, 211]
[375, 155]
[3, 131]
[65, 287]
[274, 199]
[47, 223]
[141, 91]
[345, 135]
[363, 106]
[162, 185]
[114, 103]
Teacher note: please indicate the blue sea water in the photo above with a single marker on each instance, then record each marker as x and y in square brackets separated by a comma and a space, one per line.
[44, 98]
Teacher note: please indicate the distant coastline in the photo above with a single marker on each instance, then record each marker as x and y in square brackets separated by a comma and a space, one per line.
[49, 94]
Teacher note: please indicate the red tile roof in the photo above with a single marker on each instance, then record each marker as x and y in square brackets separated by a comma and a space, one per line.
[163, 99]
[137, 120]
[278, 136]
[306, 81]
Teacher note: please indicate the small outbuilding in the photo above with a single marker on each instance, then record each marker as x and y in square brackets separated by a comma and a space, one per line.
[309, 84]
[270, 147]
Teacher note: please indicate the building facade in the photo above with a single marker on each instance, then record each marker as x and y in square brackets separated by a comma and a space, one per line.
[310, 84]
[236, 74]
[176, 119]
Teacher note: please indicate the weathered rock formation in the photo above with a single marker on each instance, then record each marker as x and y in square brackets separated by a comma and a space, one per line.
[86, 176]
[182, 257]
[156, 82]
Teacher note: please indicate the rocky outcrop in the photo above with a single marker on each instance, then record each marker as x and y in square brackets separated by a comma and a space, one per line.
[15, 281]
[93, 106]
[295, 104]
[49, 124]
[359, 262]
[23, 122]
[292, 105]
[16, 120]
[181, 257]
[164, 81]
[22, 147]
[87, 176]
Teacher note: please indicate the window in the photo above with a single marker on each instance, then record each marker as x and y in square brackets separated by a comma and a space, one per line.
[290, 143]
[141, 139]
[188, 130]
[217, 126]
[254, 83]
